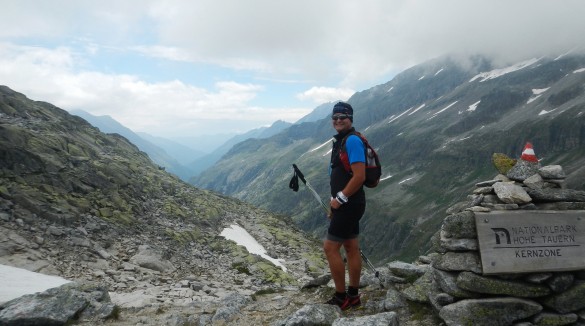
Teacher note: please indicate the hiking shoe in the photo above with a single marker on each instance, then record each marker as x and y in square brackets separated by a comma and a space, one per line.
[352, 302]
[340, 302]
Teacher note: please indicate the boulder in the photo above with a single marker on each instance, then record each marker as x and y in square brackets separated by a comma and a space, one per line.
[151, 259]
[522, 170]
[318, 281]
[447, 281]
[557, 195]
[457, 244]
[394, 300]
[59, 306]
[460, 225]
[503, 162]
[488, 312]
[569, 301]
[420, 289]
[548, 318]
[458, 261]
[312, 314]
[406, 270]
[552, 172]
[510, 193]
[383, 319]
[229, 308]
[492, 285]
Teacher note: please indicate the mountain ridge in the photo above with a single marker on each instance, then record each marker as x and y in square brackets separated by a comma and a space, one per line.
[435, 136]
[91, 197]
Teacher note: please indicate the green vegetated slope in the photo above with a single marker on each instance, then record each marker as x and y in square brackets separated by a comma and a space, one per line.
[436, 126]
[55, 168]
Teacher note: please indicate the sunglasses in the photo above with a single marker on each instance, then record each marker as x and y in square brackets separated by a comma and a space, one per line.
[340, 117]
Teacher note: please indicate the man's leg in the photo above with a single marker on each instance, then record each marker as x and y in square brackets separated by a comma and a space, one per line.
[354, 261]
[336, 265]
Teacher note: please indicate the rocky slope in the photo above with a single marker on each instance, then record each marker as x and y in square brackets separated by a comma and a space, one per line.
[87, 206]
[143, 247]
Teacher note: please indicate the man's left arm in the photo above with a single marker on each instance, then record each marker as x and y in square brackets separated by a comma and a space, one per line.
[358, 169]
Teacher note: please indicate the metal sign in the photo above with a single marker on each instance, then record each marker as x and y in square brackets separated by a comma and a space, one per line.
[531, 241]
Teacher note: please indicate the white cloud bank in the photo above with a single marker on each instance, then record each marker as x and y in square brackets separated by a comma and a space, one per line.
[50, 51]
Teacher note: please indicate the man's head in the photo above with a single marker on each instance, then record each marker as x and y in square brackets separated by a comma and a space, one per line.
[342, 116]
[343, 108]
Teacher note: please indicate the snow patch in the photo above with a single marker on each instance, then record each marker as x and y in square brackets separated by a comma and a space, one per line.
[385, 178]
[421, 78]
[240, 236]
[579, 70]
[420, 107]
[403, 181]
[391, 88]
[543, 112]
[532, 99]
[401, 114]
[438, 71]
[562, 55]
[500, 72]
[316, 148]
[442, 110]
[537, 91]
[473, 106]
[16, 282]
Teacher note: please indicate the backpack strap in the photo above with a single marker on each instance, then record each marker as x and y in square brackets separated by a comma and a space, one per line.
[343, 153]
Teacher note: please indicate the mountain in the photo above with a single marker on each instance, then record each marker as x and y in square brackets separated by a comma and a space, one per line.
[209, 160]
[182, 153]
[318, 113]
[85, 205]
[139, 245]
[435, 126]
[107, 124]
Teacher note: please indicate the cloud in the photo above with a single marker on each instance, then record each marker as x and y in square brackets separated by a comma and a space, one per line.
[326, 94]
[160, 108]
[320, 50]
[355, 42]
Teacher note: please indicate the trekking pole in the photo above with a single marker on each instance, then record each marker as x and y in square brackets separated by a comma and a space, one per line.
[295, 186]
[370, 265]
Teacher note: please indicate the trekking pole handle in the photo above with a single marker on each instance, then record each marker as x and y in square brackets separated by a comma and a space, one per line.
[299, 173]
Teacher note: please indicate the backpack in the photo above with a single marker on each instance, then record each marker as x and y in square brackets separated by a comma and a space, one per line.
[373, 166]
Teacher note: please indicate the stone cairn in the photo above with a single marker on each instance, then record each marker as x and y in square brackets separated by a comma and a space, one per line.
[456, 287]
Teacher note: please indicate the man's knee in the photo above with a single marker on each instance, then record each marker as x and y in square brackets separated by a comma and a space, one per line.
[351, 246]
[331, 247]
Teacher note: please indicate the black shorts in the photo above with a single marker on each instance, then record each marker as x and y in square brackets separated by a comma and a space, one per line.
[345, 222]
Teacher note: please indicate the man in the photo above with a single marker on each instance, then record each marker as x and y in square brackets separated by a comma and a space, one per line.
[348, 203]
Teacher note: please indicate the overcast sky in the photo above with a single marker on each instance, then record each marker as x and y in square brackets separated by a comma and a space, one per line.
[177, 68]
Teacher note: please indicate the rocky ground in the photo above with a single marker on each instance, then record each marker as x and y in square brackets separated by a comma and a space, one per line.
[150, 282]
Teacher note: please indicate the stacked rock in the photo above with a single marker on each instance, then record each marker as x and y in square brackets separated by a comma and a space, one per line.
[460, 292]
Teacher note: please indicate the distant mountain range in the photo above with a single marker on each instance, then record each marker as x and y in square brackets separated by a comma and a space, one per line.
[179, 159]
[436, 126]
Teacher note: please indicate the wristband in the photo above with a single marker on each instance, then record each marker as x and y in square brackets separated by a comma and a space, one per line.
[341, 198]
